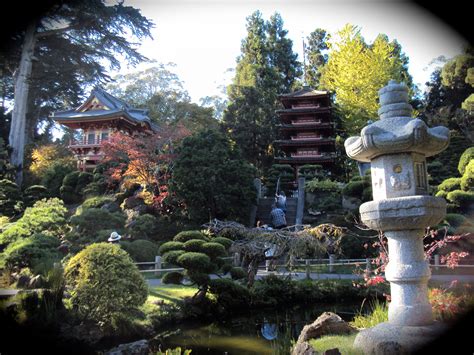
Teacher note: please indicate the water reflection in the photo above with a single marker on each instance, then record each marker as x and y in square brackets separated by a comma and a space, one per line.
[263, 332]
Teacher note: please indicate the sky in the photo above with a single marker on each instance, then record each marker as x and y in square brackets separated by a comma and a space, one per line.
[203, 37]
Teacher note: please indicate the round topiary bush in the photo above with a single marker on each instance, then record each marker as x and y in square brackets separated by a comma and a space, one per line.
[354, 189]
[184, 236]
[226, 242]
[172, 277]
[104, 283]
[141, 250]
[168, 246]
[213, 250]
[34, 193]
[171, 257]
[194, 245]
[197, 262]
[238, 273]
[229, 294]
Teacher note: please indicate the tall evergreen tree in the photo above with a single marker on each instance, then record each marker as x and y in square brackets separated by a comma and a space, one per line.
[71, 41]
[266, 68]
[316, 55]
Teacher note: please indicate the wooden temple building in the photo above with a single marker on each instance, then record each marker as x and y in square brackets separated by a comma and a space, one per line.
[306, 129]
[95, 120]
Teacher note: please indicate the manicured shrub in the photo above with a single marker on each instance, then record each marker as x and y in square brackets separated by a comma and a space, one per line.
[450, 184]
[467, 180]
[197, 262]
[168, 246]
[455, 220]
[322, 186]
[310, 172]
[213, 250]
[73, 185]
[184, 236]
[11, 202]
[145, 227]
[92, 220]
[34, 193]
[194, 245]
[141, 250]
[46, 216]
[354, 189]
[237, 273]
[464, 160]
[226, 242]
[31, 252]
[172, 277]
[463, 199]
[172, 256]
[104, 283]
[97, 202]
[229, 294]
[53, 178]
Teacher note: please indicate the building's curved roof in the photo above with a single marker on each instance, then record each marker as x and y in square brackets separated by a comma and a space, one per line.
[110, 106]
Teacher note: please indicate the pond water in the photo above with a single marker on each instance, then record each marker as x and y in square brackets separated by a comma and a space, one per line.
[263, 332]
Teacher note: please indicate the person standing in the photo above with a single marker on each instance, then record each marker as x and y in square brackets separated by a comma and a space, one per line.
[280, 200]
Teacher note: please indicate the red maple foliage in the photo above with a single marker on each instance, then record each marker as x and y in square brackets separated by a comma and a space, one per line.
[146, 159]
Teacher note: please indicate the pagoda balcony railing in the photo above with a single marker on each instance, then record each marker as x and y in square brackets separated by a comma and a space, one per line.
[86, 143]
[306, 138]
[324, 157]
[303, 122]
[305, 106]
[304, 142]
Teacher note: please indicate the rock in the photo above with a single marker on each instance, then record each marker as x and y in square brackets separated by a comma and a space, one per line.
[140, 347]
[327, 323]
[303, 348]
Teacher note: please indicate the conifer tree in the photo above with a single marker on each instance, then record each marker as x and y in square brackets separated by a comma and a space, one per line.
[266, 68]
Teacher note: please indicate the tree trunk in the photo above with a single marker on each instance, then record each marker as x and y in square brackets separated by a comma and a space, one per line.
[22, 86]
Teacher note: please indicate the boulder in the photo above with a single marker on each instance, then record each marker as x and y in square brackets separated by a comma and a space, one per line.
[327, 323]
[140, 347]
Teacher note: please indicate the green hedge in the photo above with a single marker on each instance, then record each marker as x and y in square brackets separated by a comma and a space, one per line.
[168, 246]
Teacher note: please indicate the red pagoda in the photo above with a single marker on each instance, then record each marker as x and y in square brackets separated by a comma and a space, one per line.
[96, 119]
[306, 128]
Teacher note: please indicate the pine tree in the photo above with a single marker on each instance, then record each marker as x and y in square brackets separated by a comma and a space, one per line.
[266, 68]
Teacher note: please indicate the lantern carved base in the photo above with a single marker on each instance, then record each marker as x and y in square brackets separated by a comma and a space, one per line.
[388, 339]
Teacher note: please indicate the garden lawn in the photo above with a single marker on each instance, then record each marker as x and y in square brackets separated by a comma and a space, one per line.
[172, 293]
[342, 342]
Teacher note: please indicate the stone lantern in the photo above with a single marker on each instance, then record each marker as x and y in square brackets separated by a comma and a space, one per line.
[397, 146]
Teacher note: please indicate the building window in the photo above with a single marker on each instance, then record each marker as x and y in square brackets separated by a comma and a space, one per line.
[420, 175]
[104, 136]
[91, 138]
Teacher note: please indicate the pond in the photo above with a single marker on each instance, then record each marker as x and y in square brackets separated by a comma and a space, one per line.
[262, 332]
